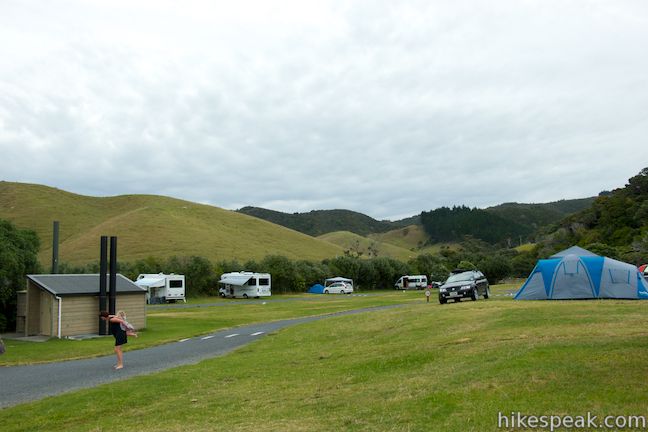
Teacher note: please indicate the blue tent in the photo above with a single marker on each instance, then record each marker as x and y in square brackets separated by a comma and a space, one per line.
[316, 289]
[577, 273]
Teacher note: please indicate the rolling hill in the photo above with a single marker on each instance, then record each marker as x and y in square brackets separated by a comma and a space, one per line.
[492, 224]
[410, 237]
[149, 225]
[318, 222]
[534, 216]
[351, 241]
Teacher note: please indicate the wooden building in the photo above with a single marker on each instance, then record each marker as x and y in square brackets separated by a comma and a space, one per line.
[60, 305]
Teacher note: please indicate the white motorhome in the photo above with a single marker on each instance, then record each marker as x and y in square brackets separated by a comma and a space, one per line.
[162, 288]
[245, 285]
[412, 282]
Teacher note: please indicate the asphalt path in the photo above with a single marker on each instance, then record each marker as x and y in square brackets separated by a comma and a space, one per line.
[20, 384]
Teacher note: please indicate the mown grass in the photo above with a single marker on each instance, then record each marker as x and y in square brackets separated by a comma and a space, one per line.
[423, 367]
[171, 324]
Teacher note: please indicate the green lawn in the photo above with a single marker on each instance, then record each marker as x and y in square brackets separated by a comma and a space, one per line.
[169, 325]
[423, 367]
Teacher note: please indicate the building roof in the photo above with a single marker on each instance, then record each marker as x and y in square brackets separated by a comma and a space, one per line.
[81, 284]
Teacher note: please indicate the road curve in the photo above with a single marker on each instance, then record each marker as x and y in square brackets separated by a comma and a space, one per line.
[22, 384]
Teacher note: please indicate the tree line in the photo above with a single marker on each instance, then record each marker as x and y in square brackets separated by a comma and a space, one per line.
[453, 224]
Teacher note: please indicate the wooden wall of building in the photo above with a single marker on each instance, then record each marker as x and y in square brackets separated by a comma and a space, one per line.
[80, 313]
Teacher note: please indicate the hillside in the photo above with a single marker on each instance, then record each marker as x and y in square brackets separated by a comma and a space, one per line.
[318, 222]
[410, 237]
[356, 243]
[615, 225]
[494, 224]
[534, 216]
[149, 225]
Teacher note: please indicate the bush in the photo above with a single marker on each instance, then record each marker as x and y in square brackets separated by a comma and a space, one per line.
[18, 257]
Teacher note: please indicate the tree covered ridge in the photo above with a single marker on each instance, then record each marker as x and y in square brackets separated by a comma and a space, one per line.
[452, 224]
[318, 222]
[615, 225]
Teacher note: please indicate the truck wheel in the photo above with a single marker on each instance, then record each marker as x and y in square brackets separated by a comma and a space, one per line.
[443, 300]
[245, 296]
[475, 295]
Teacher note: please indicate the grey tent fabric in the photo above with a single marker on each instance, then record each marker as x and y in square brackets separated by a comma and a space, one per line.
[574, 250]
[583, 276]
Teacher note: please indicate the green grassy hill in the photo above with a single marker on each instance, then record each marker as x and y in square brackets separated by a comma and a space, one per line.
[348, 240]
[409, 237]
[413, 238]
[149, 225]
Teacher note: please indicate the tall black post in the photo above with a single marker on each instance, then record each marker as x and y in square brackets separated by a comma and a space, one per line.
[55, 247]
[103, 278]
[112, 297]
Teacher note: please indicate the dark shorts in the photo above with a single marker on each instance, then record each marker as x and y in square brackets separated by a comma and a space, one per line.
[121, 338]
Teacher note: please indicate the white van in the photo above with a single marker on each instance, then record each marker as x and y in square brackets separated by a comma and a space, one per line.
[162, 288]
[245, 285]
[417, 282]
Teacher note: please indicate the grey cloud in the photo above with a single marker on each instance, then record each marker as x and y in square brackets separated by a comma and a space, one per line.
[383, 108]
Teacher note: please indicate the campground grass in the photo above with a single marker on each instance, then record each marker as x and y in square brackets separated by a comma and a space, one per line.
[168, 324]
[422, 367]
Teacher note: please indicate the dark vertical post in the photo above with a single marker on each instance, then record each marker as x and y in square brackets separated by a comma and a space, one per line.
[112, 298]
[103, 278]
[55, 247]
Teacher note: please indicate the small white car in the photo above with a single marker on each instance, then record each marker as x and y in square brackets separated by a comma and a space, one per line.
[338, 288]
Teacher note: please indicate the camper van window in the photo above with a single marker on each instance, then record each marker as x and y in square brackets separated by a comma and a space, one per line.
[264, 281]
[175, 284]
[252, 282]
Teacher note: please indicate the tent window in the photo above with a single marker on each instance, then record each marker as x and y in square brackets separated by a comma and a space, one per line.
[618, 276]
[571, 267]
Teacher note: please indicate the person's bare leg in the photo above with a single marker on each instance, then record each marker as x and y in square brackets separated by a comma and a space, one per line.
[120, 357]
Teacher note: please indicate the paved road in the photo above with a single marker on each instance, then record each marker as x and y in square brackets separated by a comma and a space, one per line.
[19, 384]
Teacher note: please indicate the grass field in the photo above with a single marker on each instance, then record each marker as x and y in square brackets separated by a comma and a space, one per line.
[171, 324]
[423, 367]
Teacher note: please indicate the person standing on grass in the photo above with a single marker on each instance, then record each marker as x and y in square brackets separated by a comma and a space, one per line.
[121, 338]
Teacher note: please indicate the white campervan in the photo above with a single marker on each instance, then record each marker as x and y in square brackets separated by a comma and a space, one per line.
[411, 282]
[245, 285]
[162, 288]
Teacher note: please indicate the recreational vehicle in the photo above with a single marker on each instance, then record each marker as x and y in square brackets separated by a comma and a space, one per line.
[245, 285]
[411, 282]
[162, 288]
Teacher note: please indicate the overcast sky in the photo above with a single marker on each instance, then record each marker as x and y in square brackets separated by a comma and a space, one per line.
[386, 108]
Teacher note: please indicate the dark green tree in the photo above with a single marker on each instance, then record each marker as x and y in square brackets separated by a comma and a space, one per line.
[18, 257]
